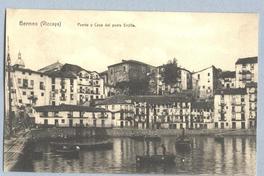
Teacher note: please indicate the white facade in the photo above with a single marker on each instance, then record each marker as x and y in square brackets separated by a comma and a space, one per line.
[204, 82]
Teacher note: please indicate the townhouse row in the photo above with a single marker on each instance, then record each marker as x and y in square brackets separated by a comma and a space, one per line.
[230, 109]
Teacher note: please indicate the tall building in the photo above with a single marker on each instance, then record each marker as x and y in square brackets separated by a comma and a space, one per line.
[231, 108]
[246, 71]
[75, 84]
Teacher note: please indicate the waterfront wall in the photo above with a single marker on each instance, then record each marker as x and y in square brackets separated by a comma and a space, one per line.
[126, 132]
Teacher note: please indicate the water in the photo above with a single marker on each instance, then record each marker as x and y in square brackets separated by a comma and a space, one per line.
[236, 155]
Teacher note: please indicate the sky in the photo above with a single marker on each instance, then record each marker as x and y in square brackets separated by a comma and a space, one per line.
[196, 40]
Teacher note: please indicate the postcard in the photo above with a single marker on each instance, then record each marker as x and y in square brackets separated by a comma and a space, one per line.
[130, 92]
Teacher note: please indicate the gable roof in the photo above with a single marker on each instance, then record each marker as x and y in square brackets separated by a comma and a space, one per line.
[129, 62]
[247, 60]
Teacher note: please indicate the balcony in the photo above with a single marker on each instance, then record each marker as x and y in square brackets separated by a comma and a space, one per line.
[221, 111]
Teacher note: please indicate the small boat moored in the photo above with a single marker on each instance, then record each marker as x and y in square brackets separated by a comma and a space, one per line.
[183, 143]
[68, 152]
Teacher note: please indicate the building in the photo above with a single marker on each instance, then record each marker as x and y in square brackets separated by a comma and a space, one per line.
[128, 70]
[202, 115]
[252, 106]
[246, 71]
[76, 85]
[71, 116]
[228, 79]
[204, 82]
[121, 108]
[231, 108]
[29, 87]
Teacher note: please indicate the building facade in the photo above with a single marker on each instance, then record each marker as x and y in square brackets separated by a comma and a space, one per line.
[228, 79]
[246, 71]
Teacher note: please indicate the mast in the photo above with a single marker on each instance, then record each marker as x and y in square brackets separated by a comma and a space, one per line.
[10, 119]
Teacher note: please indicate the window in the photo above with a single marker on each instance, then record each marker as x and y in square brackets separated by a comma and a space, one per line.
[71, 81]
[72, 98]
[198, 76]
[32, 83]
[20, 101]
[32, 93]
[208, 74]
[62, 121]
[53, 87]
[53, 80]
[41, 75]
[124, 68]
[113, 116]
[41, 85]
[25, 83]
[42, 94]
[23, 73]
[24, 93]
[97, 91]
[19, 80]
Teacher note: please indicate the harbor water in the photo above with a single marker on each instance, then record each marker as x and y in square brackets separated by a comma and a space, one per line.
[235, 155]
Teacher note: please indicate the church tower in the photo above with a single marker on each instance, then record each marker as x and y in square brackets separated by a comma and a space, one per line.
[19, 62]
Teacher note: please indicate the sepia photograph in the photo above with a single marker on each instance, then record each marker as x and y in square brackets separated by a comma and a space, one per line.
[130, 92]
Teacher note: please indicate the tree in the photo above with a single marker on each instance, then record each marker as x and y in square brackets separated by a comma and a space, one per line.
[171, 73]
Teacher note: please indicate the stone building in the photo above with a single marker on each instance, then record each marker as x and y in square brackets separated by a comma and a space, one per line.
[246, 71]
[128, 70]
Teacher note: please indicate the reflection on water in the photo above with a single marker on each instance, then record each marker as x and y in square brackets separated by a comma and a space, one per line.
[236, 155]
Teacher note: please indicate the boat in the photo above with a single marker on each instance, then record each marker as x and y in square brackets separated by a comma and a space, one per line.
[153, 138]
[84, 145]
[68, 151]
[155, 159]
[183, 143]
[219, 138]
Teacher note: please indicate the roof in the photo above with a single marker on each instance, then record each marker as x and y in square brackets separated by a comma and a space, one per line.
[65, 107]
[61, 74]
[129, 62]
[252, 84]
[162, 99]
[228, 74]
[233, 91]
[204, 69]
[203, 105]
[15, 68]
[181, 68]
[118, 99]
[53, 66]
[247, 60]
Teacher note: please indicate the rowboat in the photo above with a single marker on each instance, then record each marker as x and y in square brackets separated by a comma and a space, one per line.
[155, 159]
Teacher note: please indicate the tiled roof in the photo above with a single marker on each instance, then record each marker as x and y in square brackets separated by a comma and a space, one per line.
[129, 62]
[203, 105]
[53, 66]
[248, 60]
[233, 91]
[64, 107]
[228, 74]
[61, 74]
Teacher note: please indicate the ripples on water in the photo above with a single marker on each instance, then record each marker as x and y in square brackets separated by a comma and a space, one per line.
[237, 155]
